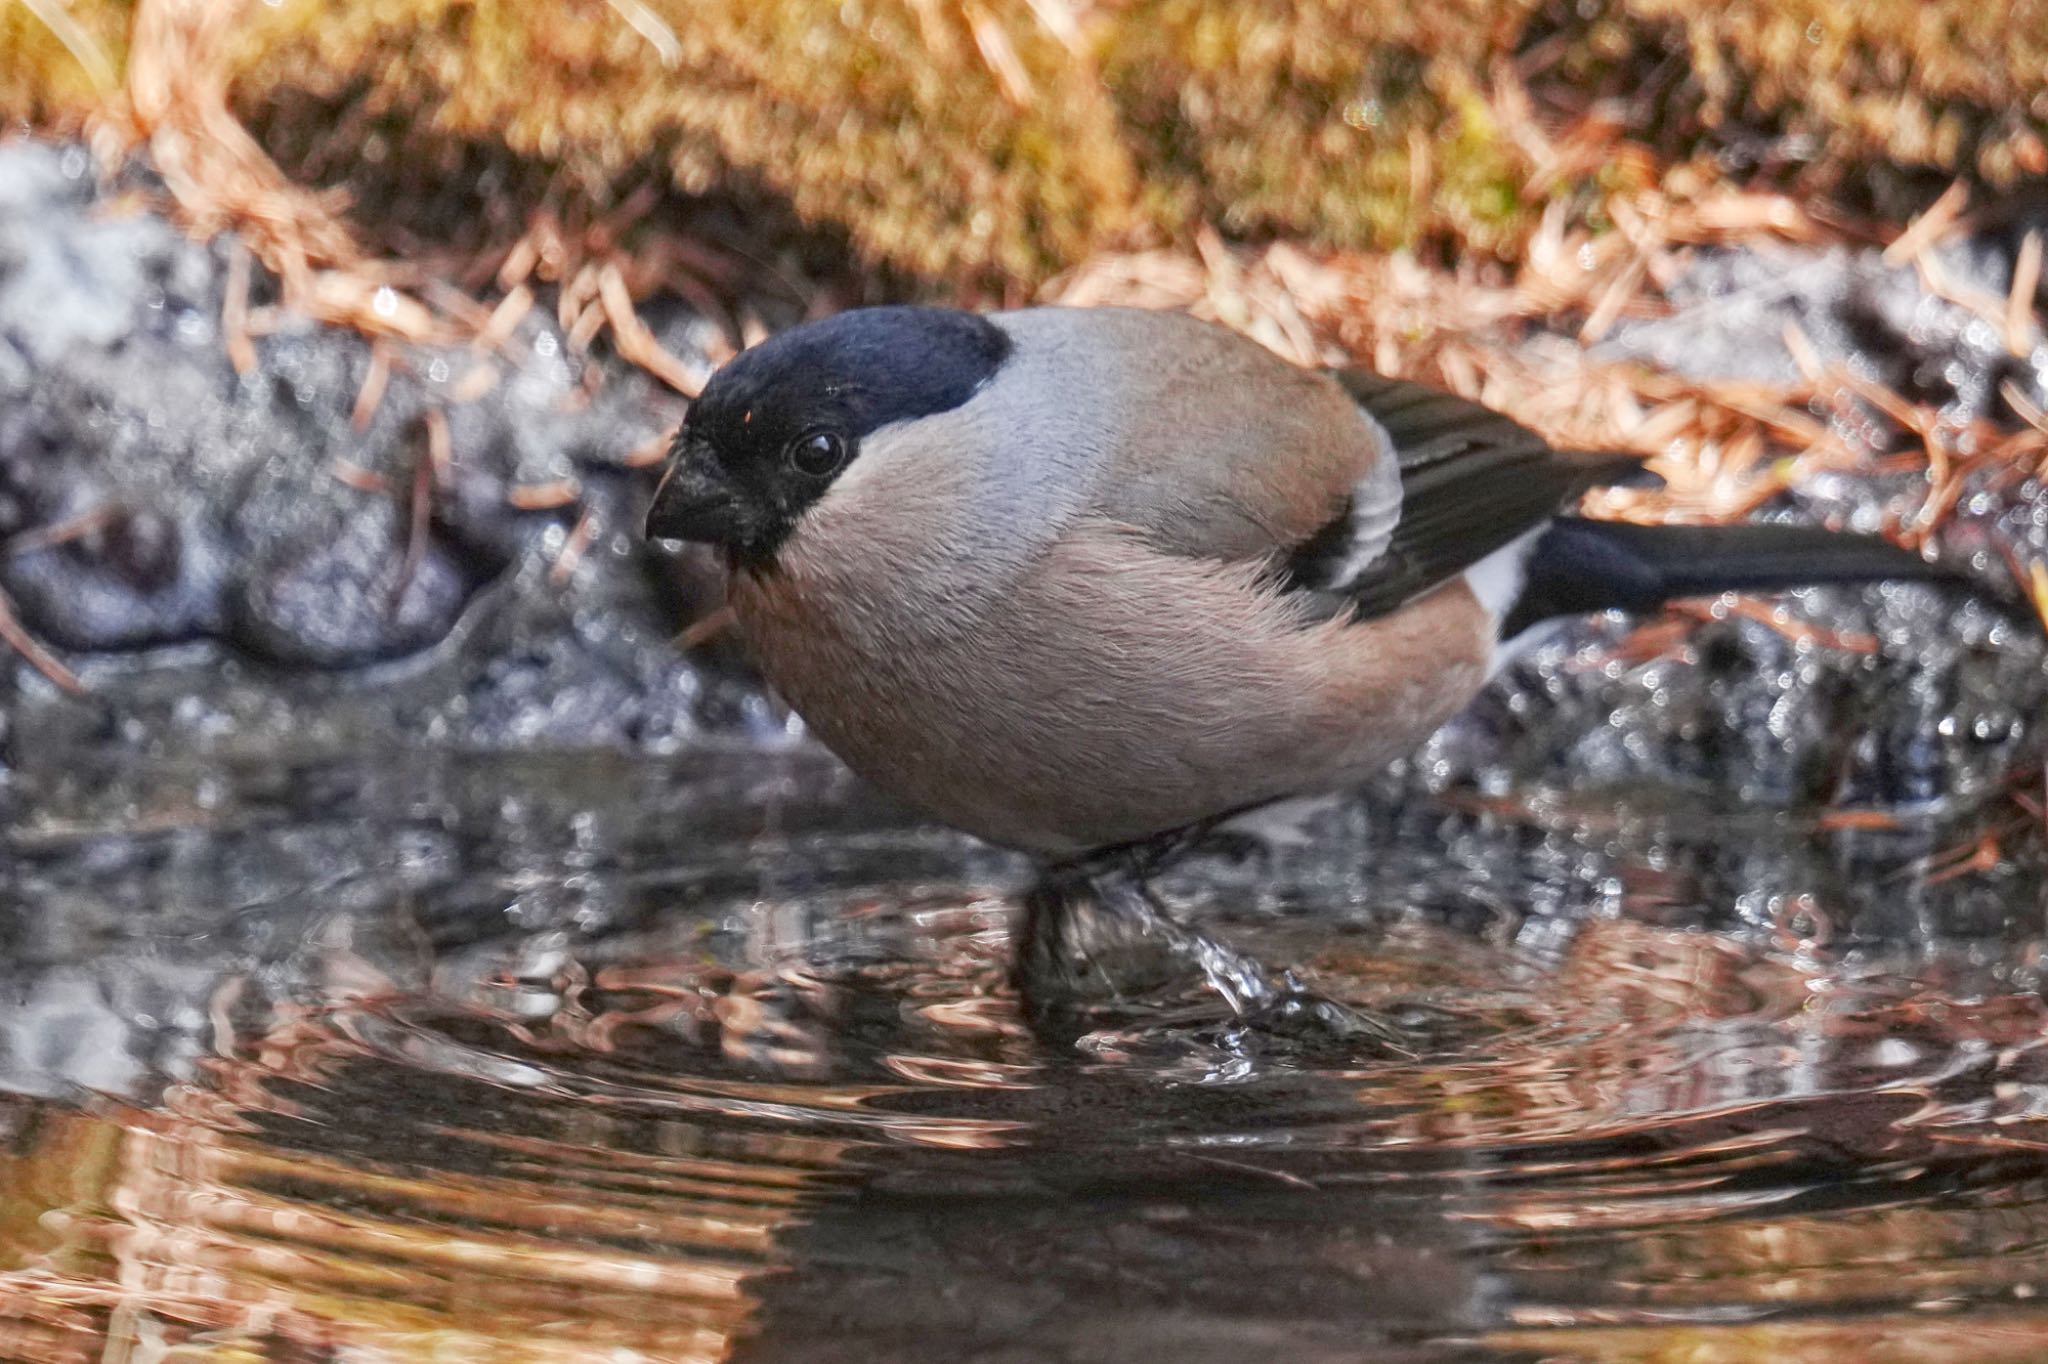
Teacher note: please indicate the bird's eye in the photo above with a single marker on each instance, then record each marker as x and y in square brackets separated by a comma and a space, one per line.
[820, 454]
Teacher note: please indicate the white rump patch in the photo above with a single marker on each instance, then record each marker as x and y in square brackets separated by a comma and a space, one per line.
[1498, 579]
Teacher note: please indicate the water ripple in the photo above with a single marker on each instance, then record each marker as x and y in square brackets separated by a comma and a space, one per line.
[740, 1120]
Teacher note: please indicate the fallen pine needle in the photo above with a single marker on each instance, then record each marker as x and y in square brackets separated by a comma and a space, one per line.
[1984, 857]
[2026, 408]
[440, 447]
[1831, 820]
[648, 455]
[651, 26]
[13, 633]
[575, 294]
[1800, 347]
[1930, 227]
[505, 319]
[573, 548]
[1847, 641]
[1284, 1176]
[1936, 279]
[634, 341]
[1949, 863]
[475, 382]
[1000, 56]
[234, 310]
[357, 477]
[2038, 809]
[519, 262]
[543, 496]
[375, 379]
[418, 508]
[585, 328]
[77, 40]
[58, 532]
[2019, 300]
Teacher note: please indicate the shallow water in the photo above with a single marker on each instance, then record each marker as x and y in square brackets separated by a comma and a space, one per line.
[586, 1058]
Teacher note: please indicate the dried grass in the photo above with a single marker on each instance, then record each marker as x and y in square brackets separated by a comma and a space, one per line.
[174, 103]
[1000, 140]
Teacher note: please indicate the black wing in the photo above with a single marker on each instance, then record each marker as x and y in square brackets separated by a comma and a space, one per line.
[1470, 482]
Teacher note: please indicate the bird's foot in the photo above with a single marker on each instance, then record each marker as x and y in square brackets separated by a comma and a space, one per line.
[1099, 946]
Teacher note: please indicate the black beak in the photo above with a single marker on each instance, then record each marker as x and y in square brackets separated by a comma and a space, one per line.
[694, 500]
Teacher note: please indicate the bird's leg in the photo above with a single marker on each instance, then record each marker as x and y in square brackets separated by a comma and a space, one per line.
[1096, 934]
[1089, 938]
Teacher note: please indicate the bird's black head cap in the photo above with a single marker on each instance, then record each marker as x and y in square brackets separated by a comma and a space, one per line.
[776, 426]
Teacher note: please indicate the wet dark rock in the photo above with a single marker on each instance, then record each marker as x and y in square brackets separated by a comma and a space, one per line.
[225, 554]
[1731, 309]
[351, 598]
[1946, 695]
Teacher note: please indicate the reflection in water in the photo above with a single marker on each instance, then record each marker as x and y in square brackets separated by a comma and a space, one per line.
[376, 1065]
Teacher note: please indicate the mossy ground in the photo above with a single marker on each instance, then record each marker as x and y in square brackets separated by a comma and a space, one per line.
[993, 143]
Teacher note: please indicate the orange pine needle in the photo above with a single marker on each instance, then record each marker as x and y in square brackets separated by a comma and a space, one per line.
[14, 634]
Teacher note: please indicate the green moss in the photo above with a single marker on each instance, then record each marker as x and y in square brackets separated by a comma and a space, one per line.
[855, 112]
[1324, 119]
[1349, 123]
[1954, 86]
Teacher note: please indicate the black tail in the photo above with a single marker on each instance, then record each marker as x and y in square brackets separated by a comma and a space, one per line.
[1579, 566]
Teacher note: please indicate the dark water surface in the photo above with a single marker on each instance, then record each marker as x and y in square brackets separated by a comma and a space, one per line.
[588, 1058]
